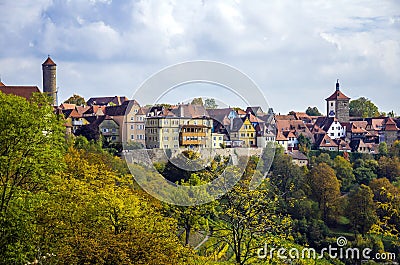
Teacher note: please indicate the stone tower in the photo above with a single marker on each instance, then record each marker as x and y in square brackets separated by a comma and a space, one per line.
[49, 79]
[337, 105]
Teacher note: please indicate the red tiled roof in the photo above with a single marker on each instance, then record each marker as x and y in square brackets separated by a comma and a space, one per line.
[285, 117]
[390, 125]
[290, 134]
[49, 61]
[22, 91]
[337, 95]
[2, 84]
[82, 109]
[67, 106]
[281, 137]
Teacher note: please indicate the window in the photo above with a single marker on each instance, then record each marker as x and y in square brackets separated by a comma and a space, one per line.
[165, 146]
[132, 126]
[132, 137]
[132, 118]
[332, 134]
[113, 138]
[220, 138]
[331, 104]
[215, 138]
[114, 130]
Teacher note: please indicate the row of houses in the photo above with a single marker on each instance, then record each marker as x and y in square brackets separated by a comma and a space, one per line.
[120, 120]
[328, 133]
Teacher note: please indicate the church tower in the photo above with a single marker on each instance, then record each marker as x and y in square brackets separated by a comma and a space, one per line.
[337, 105]
[49, 79]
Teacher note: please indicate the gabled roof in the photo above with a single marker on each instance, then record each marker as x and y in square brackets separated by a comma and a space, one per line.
[104, 101]
[116, 110]
[220, 114]
[302, 116]
[190, 111]
[256, 110]
[82, 109]
[359, 126]
[49, 62]
[323, 140]
[390, 125]
[253, 118]
[325, 122]
[343, 145]
[281, 137]
[236, 125]
[21, 91]
[297, 155]
[290, 135]
[142, 111]
[67, 106]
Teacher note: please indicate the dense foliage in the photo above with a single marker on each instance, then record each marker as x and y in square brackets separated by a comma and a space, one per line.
[69, 201]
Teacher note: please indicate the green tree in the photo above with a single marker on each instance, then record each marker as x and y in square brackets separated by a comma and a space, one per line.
[31, 145]
[361, 209]
[344, 172]
[364, 175]
[387, 199]
[304, 143]
[383, 148]
[325, 188]
[209, 103]
[90, 215]
[197, 101]
[285, 176]
[195, 217]
[313, 111]
[76, 99]
[248, 218]
[322, 158]
[389, 168]
[363, 107]
[395, 149]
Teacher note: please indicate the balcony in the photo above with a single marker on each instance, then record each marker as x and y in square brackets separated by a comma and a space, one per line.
[193, 135]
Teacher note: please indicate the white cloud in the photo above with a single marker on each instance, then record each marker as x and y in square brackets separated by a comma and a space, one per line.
[284, 46]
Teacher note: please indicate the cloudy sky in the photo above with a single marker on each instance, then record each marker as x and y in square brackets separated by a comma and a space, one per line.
[294, 50]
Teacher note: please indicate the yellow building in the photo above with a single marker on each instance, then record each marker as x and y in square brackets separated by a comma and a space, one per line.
[242, 133]
[247, 134]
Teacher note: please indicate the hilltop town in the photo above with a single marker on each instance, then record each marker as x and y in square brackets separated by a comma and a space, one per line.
[75, 200]
[121, 121]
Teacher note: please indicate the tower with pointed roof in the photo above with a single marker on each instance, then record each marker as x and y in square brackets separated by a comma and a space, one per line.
[49, 69]
[337, 105]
